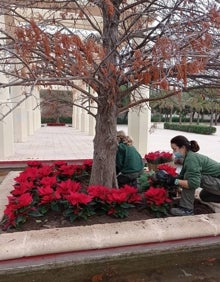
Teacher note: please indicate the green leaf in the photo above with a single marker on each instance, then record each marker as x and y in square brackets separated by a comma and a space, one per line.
[43, 209]
[68, 212]
[55, 206]
[127, 205]
[36, 213]
[73, 217]
[20, 220]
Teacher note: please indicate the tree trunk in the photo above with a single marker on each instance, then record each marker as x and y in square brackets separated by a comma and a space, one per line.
[160, 116]
[211, 118]
[180, 117]
[191, 116]
[105, 141]
[171, 115]
[216, 118]
[105, 147]
[198, 118]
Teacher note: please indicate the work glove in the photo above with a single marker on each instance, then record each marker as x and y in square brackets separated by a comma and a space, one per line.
[171, 180]
[163, 177]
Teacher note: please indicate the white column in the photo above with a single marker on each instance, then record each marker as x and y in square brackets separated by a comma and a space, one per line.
[19, 114]
[30, 115]
[78, 118]
[92, 121]
[139, 124]
[77, 112]
[84, 113]
[74, 112]
[6, 125]
[36, 109]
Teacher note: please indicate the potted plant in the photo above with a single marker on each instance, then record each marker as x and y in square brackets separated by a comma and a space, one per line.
[158, 157]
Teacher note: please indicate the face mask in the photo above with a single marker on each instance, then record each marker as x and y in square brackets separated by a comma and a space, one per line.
[178, 155]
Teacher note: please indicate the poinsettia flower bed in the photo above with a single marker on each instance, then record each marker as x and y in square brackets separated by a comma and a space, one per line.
[64, 188]
[56, 124]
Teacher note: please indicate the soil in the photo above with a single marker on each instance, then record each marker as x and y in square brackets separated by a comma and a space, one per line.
[55, 220]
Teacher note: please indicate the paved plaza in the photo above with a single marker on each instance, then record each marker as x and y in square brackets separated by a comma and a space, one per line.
[67, 143]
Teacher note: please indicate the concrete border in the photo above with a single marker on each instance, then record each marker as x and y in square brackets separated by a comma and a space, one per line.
[101, 236]
[20, 245]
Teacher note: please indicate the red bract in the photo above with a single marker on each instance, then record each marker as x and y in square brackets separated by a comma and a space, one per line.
[22, 177]
[45, 190]
[32, 173]
[167, 156]
[169, 169]
[9, 212]
[159, 157]
[59, 163]
[21, 188]
[111, 211]
[67, 187]
[45, 171]
[117, 196]
[29, 174]
[78, 198]
[126, 194]
[152, 156]
[47, 199]
[49, 180]
[99, 192]
[68, 170]
[37, 164]
[10, 209]
[132, 194]
[88, 163]
[156, 196]
[24, 200]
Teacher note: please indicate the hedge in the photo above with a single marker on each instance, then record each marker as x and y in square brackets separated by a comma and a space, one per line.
[200, 129]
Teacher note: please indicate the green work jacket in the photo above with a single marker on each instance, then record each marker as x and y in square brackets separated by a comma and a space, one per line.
[195, 165]
[128, 160]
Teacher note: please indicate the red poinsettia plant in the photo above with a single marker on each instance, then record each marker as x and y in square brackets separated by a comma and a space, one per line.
[114, 201]
[158, 157]
[158, 201]
[168, 168]
[59, 187]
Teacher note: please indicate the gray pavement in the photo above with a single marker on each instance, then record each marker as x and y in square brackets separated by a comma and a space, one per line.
[67, 143]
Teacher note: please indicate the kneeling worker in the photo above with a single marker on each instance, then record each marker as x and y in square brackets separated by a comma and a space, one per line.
[129, 163]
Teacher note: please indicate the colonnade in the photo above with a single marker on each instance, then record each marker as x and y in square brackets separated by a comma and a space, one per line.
[25, 119]
[19, 122]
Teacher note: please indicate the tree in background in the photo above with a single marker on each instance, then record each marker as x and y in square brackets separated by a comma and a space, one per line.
[165, 45]
[55, 104]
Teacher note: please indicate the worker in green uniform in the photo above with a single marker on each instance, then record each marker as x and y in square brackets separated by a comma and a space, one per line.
[197, 171]
[129, 163]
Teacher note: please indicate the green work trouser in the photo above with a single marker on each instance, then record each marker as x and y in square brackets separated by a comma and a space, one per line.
[209, 184]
